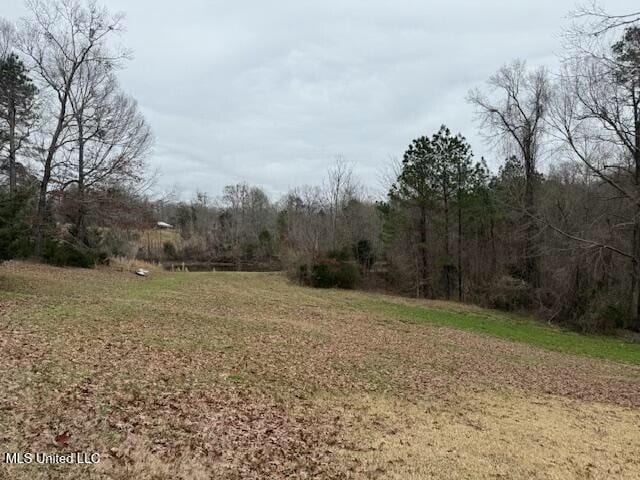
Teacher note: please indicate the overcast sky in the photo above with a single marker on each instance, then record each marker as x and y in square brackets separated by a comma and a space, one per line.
[269, 92]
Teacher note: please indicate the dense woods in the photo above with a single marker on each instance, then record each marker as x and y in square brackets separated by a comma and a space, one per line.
[562, 241]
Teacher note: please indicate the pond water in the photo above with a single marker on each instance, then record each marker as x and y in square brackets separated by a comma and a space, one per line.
[221, 267]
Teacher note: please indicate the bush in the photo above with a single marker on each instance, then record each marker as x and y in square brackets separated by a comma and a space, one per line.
[296, 266]
[604, 319]
[248, 251]
[341, 254]
[169, 250]
[65, 254]
[347, 276]
[114, 244]
[364, 254]
[330, 273]
[509, 294]
[323, 275]
[302, 276]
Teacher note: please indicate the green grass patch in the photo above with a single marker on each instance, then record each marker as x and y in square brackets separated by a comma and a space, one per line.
[519, 329]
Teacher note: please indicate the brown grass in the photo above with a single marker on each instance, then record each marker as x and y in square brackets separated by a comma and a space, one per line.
[124, 264]
[240, 375]
[499, 436]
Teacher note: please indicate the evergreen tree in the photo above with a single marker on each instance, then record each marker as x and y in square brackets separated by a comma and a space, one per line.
[436, 175]
[17, 100]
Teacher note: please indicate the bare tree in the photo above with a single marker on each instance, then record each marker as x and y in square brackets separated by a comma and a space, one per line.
[111, 135]
[339, 188]
[593, 20]
[513, 112]
[7, 37]
[246, 211]
[58, 38]
[306, 216]
[597, 116]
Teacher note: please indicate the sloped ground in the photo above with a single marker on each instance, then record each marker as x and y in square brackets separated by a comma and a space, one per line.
[239, 375]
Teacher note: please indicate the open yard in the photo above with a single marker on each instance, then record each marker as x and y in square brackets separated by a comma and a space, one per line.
[243, 375]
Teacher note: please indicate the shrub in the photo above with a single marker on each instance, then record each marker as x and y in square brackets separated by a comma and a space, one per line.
[302, 276]
[347, 276]
[330, 273]
[169, 250]
[248, 251]
[364, 254]
[604, 319]
[323, 274]
[114, 244]
[65, 254]
[340, 254]
[266, 244]
[509, 294]
[297, 266]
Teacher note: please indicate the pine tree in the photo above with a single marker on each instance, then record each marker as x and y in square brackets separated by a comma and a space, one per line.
[17, 100]
[436, 175]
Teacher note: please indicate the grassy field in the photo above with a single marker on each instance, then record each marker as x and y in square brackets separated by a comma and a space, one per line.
[518, 329]
[242, 375]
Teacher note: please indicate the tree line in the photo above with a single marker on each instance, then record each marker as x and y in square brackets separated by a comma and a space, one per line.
[70, 137]
[564, 243]
[555, 230]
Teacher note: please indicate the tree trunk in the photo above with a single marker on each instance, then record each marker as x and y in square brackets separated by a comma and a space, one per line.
[41, 214]
[81, 229]
[460, 294]
[635, 277]
[12, 149]
[459, 200]
[531, 252]
[447, 250]
[423, 252]
[635, 248]
[494, 254]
